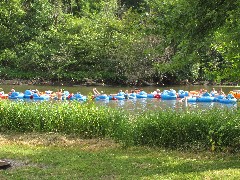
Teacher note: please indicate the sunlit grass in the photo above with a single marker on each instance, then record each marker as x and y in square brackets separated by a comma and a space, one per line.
[215, 129]
[55, 156]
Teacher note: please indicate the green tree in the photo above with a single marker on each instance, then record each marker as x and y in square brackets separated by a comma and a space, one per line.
[187, 29]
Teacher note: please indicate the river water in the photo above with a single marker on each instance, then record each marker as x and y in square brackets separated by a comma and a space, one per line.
[137, 105]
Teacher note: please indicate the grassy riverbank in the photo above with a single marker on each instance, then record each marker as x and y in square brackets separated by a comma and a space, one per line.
[56, 156]
[216, 129]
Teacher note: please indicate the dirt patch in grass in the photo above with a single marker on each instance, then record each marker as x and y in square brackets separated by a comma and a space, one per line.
[20, 164]
[55, 139]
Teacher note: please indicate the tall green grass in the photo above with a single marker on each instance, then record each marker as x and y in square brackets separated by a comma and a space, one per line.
[86, 120]
[216, 129]
[213, 129]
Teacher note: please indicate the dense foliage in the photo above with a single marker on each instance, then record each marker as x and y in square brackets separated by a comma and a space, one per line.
[165, 41]
[215, 129]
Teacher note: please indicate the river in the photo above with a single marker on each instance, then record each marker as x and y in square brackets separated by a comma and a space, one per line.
[112, 89]
[138, 105]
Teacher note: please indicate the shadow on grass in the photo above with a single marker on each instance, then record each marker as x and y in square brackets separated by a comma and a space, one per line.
[96, 159]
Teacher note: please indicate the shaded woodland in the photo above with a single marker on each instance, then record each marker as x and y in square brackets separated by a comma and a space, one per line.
[120, 41]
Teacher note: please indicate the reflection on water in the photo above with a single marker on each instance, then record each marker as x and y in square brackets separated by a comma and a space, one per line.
[153, 104]
[202, 105]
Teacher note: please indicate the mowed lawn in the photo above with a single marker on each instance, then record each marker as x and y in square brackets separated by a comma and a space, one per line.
[55, 156]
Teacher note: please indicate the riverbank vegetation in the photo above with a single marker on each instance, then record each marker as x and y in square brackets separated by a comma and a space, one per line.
[112, 41]
[214, 130]
[58, 156]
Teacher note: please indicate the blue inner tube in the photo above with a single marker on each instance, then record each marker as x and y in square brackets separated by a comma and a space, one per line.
[101, 97]
[16, 95]
[205, 99]
[150, 95]
[192, 99]
[169, 97]
[141, 95]
[228, 101]
[116, 97]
